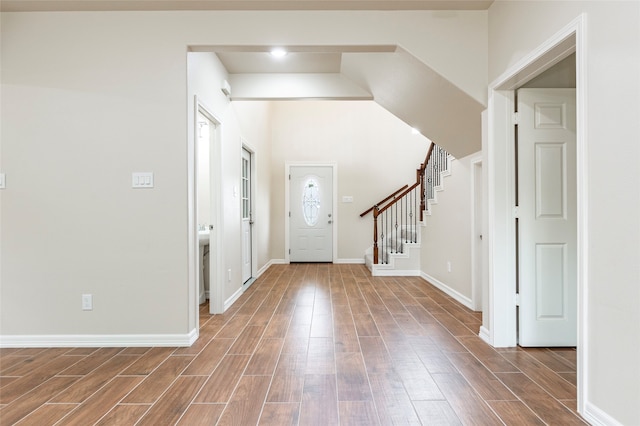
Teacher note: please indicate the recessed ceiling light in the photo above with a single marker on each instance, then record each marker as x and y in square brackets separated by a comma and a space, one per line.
[415, 131]
[278, 52]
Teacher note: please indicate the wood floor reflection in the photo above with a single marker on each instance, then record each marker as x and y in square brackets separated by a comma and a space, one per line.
[306, 344]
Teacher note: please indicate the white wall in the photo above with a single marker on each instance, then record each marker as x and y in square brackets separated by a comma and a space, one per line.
[255, 122]
[612, 198]
[90, 97]
[79, 115]
[446, 236]
[375, 153]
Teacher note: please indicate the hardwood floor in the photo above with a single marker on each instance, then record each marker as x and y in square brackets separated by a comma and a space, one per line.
[307, 344]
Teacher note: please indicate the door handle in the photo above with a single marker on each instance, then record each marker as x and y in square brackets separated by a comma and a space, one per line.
[329, 222]
[210, 226]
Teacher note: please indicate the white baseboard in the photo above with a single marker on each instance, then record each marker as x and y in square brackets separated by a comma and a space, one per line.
[485, 335]
[395, 273]
[98, 340]
[233, 298]
[595, 416]
[451, 292]
[263, 269]
[268, 264]
[350, 261]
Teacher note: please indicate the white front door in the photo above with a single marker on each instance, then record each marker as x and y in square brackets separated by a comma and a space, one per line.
[311, 214]
[547, 249]
[247, 221]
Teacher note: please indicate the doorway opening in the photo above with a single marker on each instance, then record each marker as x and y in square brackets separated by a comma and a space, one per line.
[500, 155]
[208, 202]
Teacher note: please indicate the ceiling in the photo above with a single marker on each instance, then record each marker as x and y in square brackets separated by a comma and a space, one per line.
[298, 59]
[103, 5]
[387, 74]
[264, 62]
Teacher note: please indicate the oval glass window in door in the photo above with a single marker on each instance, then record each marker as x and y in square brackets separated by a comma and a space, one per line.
[311, 202]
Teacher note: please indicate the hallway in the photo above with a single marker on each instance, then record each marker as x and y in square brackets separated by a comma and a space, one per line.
[307, 344]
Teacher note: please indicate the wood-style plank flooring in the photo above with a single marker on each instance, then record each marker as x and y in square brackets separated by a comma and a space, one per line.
[306, 344]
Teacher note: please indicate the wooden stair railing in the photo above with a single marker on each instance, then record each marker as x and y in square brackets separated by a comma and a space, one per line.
[395, 216]
[364, 213]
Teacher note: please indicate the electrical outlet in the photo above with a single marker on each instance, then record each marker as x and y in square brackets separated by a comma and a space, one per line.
[87, 302]
[3, 181]
[449, 266]
[229, 275]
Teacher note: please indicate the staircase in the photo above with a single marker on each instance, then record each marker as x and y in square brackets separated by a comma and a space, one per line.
[401, 258]
[397, 219]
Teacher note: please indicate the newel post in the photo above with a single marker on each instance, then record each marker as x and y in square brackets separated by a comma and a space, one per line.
[375, 234]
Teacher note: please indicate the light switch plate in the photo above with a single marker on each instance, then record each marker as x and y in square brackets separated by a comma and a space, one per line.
[347, 199]
[3, 181]
[87, 302]
[142, 180]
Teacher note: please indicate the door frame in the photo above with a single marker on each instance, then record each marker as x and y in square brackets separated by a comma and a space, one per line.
[477, 264]
[498, 155]
[287, 206]
[252, 194]
[216, 302]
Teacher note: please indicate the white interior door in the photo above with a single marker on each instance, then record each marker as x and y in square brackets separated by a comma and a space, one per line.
[547, 217]
[247, 221]
[311, 214]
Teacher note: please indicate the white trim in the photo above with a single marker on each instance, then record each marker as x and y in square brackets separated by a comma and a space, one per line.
[596, 417]
[484, 334]
[350, 261]
[451, 292]
[98, 340]
[235, 296]
[502, 318]
[501, 260]
[268, 264]
[215, 241]
[287, 206]
[582, 202]
[378, 272]
[476, 287]
[264, 269]
[193, 248]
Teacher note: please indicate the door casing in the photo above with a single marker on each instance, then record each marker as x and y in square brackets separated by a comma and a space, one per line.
[499, 324]
[216, 302]
[477, 242]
